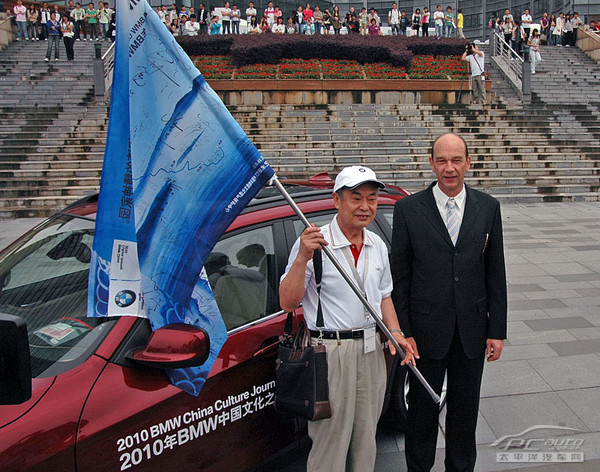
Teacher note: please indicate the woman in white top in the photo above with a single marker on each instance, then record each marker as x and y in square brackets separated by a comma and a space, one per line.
[66, 27]
[253, 27]
[290, 28]
[567, 32]
[32, 22]
[279, 27]
[534, 49]
[558, 29]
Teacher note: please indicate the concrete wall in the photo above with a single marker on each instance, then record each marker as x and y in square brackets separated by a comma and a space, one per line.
[8, 33]
[323, 97]
[589, 43]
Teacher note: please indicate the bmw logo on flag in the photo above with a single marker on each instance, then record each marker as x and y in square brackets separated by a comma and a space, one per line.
[125, 298]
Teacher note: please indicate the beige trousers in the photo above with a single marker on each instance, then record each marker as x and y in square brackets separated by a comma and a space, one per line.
[478, 87]
[357, 384]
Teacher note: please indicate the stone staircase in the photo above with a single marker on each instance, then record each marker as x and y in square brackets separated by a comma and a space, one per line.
[52, 129]
[519, 153]
[52, 134]
[566, 76]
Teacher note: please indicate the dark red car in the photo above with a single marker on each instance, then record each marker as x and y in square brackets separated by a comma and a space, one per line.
[100, 399]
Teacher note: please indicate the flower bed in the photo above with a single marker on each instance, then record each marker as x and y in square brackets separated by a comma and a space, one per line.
[423, 67]
[381, 70]
[299, 69]
[214, 67]
[440, 67]
[333, 69]
[256, 71]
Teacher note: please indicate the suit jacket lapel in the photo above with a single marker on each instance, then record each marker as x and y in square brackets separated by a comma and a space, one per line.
[472, 208]
[430, 210]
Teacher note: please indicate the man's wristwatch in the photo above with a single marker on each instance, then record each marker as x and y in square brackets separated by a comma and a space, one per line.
[397, 330]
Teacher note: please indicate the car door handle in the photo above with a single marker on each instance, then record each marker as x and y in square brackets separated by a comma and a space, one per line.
[267, 350]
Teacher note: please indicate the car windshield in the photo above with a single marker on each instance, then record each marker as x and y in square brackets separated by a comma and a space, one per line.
[44, 280]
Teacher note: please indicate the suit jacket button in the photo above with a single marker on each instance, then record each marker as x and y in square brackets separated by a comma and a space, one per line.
[456, 279]
[456, 253]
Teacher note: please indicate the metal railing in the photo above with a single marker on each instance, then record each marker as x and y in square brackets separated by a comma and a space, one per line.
[109, 65]
[104, 65]
[512, 65]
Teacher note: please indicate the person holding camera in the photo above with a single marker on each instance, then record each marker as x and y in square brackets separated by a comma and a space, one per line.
[475, 57]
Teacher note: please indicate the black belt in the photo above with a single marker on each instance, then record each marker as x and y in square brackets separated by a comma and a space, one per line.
[347, 334]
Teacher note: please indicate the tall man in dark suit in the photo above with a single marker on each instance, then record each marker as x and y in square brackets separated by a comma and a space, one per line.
[450, 296]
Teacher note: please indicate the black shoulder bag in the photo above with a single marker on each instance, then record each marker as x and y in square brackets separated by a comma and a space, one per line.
[301, 387]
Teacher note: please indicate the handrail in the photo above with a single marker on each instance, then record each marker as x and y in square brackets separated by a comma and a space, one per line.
[109, 51]
[513, 66]
[109, 64]
[508, 55]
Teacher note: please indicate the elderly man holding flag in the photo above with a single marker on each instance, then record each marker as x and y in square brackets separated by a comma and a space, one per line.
[356, 366]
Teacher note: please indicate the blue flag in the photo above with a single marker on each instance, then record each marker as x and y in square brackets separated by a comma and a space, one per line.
[177, 170]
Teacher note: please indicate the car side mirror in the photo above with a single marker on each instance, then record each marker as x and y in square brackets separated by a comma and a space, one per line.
[15, 362]
[173, 346]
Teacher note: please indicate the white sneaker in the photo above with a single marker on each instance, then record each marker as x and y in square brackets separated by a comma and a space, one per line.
[533, 72]
[56, 59]
[18, 39]
[46, 59]
[78, 39]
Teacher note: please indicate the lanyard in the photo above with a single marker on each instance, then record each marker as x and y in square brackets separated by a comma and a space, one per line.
[357, 277]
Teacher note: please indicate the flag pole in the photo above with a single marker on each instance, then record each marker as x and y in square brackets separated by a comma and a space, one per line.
[434, 396]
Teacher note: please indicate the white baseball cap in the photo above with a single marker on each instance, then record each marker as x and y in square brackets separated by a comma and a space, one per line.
[353, 176]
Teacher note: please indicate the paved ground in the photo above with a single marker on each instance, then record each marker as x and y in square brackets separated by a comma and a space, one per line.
[549, 373]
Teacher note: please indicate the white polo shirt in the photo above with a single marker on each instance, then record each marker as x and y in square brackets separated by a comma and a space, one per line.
[342, 310]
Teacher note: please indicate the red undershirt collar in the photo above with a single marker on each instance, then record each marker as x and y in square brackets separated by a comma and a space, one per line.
[356, 252]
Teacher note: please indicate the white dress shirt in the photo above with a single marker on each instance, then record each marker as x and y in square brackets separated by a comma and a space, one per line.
[441, 199]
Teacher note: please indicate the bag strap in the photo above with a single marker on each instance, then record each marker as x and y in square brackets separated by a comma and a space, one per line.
[478, 64]
[287, 330]
[318, 268]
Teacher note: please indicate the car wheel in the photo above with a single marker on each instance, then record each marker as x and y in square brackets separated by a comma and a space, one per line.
[398, 412]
